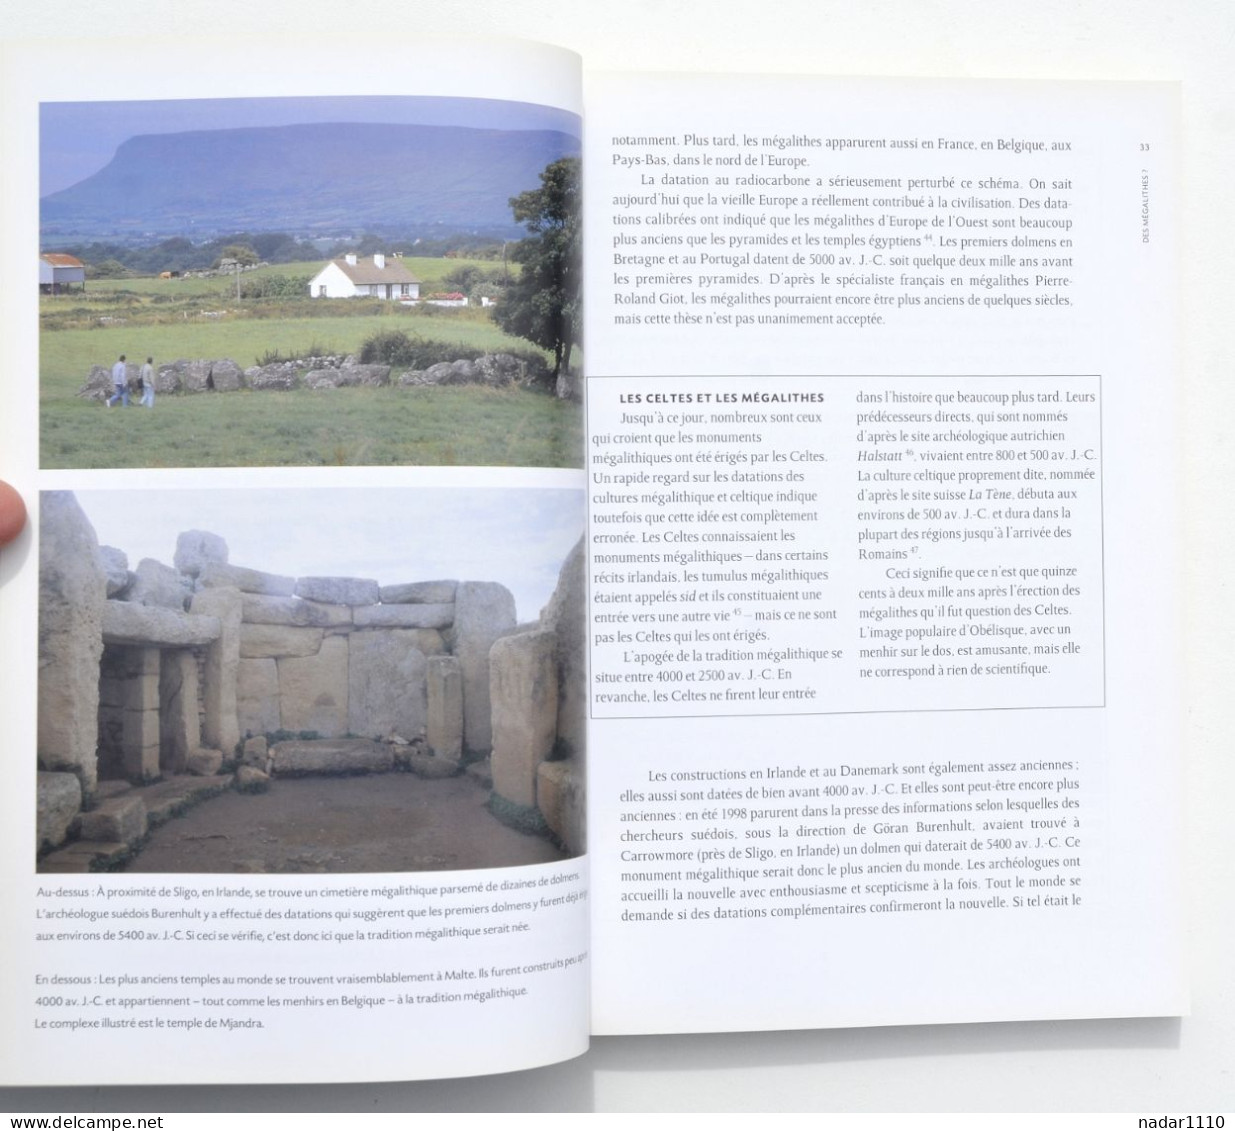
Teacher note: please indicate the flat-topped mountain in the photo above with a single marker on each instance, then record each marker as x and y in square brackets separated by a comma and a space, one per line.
[394, 179]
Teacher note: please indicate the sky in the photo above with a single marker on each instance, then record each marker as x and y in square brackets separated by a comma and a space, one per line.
[77, 139]
[517, 536]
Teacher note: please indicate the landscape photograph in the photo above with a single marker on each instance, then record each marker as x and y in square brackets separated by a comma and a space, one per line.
[301, 282]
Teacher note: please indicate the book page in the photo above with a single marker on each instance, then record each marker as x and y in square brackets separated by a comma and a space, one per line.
[882, 542]
[293, 648]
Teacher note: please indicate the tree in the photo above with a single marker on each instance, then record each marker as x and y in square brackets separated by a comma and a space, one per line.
[240, 253]
[544, 304]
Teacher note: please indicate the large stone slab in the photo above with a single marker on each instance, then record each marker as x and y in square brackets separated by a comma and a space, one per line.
[386, 685]
[157, 584]
[346, 756]
[338, 590]
[261, 641]
[566, 615]
[484, 611]
[220, 575]
[257, 696]
[525, 703]
[226, 376]
[59, 800]
[313, 689]
[403, 616]
[444, 694]
[292, 611]
[180, 729]
[126, 623]
[72, 593]
[220, 725]
[195, 549]
[420, 593]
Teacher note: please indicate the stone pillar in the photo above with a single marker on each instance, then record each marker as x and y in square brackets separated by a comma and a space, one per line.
[72, 591]
[139, 737]
[180, 731]
[444, 679]
[484, 611]
[566, 615]
[525, 706]
[221, 728]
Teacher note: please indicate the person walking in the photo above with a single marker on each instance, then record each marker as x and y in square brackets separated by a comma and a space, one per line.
[120, 382]
[148, 383]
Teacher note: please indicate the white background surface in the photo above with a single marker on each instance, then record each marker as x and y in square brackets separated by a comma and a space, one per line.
[1153, 1067]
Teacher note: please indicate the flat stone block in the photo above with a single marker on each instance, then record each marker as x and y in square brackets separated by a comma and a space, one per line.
[338, 590]
[217, 575]
[420, 593]
[258, 609]
[403, 616]
[150, 625]
[341, 756]
[120, 818]
[271, 641]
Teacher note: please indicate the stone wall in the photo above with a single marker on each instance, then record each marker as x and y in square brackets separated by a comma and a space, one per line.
[164, 669]
[223, 375]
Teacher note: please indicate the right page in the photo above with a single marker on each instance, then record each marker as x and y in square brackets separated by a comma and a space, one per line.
[882, 546]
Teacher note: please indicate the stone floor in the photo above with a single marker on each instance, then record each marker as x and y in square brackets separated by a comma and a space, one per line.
[124, 814]
[386, 822]
[395, 822]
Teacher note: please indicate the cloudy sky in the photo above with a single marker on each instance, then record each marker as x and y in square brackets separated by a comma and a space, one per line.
[518, 536]
[77, 139]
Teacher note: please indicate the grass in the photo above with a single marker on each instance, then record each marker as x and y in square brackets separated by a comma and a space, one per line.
[463, 425]
[65, 356]
[457, 425]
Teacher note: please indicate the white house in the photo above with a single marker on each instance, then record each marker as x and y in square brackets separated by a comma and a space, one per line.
[57, 271]
[375, 277]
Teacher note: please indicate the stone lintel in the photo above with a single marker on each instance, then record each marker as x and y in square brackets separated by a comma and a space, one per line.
[153, 626]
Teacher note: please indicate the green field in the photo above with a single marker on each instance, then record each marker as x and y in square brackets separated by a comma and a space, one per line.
[462, 425]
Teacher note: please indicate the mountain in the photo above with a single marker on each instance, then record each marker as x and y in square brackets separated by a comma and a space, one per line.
[329, 177]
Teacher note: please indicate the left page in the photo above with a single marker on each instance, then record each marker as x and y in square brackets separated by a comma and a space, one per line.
[292, 649]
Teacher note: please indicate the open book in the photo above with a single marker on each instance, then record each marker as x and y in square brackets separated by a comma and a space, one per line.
[403, 682]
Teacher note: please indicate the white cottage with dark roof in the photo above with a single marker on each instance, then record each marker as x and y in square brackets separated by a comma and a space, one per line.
[377, 276]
